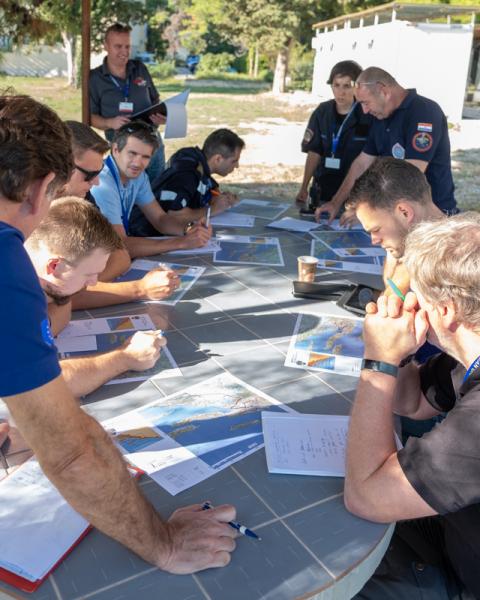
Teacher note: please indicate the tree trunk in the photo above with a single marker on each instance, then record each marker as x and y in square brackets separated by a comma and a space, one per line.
[255, 66]
[281, 69]
[69, 47]
[250, 61]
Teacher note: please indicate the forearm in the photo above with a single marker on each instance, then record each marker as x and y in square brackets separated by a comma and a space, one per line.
[186, 215]
[82, 462]
[409, 400]
[139, 247]
[118, 262]
[310, 167]
[370, 435]
[108, 294]
[85, 374]
[100, 122]
[358, 166]
[59, 316]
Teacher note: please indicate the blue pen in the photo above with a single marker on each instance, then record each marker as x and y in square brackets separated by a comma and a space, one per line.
[240, 528]
[396, 290]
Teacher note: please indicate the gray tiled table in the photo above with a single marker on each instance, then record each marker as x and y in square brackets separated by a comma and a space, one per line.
[237, 318]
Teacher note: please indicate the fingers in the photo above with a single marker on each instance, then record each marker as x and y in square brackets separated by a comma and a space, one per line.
[421, 326]
[371, 308]
[411, 302]
[224, 513]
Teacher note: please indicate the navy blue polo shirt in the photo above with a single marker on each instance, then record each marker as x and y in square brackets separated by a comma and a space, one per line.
[28, 357]
[107, 91]
[418, 130]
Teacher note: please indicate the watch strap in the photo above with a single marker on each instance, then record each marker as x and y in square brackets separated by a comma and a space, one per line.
[379, 366]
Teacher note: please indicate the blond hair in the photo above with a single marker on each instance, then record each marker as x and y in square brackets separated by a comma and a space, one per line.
[73, 229]
[443, 259]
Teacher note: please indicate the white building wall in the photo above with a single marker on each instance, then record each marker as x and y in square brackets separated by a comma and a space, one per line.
[433, 58]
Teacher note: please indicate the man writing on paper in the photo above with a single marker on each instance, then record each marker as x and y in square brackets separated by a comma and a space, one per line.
[72, 448]
[68, 250]
[124, 184]
[432, 485]
[406, 126]
[388, 199]
[88, 150]
[187, 188]
[121, 87]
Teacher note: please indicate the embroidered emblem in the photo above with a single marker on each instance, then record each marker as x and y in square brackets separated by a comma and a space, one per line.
[428, 127]
[140, 82]
[398, 151]
[307, 136]
[422, 142]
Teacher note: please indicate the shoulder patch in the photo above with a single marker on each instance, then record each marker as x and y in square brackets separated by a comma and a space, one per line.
[140, 82]
[307, 136]
[398, 151]
[422, 142]
[428, 127]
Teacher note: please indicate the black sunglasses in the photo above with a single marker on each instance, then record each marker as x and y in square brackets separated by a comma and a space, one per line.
[89, 175]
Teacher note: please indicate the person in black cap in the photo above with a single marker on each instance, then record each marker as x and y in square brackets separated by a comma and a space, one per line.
[335, 135]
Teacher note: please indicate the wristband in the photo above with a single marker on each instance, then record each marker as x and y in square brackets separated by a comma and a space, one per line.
[188, 226]
[379, 366]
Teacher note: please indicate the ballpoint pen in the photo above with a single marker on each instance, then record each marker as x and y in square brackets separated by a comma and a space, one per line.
[209, 210]
[240, 528]
[396, 290]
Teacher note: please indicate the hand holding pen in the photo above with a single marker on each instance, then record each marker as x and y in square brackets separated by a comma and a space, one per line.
[240, 528]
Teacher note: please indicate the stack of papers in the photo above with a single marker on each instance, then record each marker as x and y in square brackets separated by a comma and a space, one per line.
[188, 276]
[88, 336]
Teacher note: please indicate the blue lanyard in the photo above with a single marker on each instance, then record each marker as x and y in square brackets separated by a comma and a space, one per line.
[125, 89]
[336, 138]
[473, 367]
[121, 191]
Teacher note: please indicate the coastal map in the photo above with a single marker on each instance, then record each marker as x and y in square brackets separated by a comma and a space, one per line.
[249, 250]
[326, 343]
[201, 430]
[348, 243]
[263, 209]
[327, 259]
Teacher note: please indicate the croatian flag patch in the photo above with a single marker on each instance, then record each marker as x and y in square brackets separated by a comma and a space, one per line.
[425, 127]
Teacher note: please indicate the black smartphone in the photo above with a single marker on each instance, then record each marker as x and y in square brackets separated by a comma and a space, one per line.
[356, 299]
[322, 290]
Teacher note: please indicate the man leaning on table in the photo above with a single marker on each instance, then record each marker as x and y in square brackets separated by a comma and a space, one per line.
[124, 184]
[432, 485]
[71, 447]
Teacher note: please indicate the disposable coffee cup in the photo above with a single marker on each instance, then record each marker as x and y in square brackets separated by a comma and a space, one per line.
[307, 268]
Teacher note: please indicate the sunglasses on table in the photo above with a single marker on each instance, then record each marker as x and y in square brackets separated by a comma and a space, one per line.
[89, 175]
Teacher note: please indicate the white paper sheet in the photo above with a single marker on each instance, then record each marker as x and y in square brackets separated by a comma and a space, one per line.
[106, 325]
[291, 224]
[212, 246]
[176, 125]
[37, 526]
[232, 219]
[305, 444]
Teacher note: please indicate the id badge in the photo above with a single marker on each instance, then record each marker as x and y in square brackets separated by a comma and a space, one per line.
[125, 107]
[332, 163]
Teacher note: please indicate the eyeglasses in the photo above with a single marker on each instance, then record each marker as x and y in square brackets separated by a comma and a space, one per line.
[89, 175]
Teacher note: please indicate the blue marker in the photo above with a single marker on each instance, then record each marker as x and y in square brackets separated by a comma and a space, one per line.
[240, 528]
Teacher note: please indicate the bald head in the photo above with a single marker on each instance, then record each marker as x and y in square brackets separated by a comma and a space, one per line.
[374, 75]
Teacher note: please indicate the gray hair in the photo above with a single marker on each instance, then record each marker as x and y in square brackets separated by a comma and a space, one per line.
[443, 259]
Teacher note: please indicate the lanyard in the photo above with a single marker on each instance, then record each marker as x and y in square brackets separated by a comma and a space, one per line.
[125, 89]
[473, 367]
[121, 191]
[336, 138]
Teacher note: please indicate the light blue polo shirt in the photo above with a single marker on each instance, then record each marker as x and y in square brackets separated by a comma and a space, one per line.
[116, 200]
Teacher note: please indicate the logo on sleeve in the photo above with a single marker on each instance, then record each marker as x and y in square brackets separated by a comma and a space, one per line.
[307, 136]
[398, 151]
[422, 142]
[428, 127]
[46, 333]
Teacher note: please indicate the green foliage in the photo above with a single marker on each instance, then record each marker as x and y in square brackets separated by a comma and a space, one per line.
[162, 70]
[214, 63]
[301, 68]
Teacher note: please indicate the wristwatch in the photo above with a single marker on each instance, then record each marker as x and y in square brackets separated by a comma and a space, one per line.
[188, 226]
[379, 366]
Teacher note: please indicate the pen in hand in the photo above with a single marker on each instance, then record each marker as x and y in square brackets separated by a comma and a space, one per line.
[209, 210]
[396, 289]
[240, 528]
